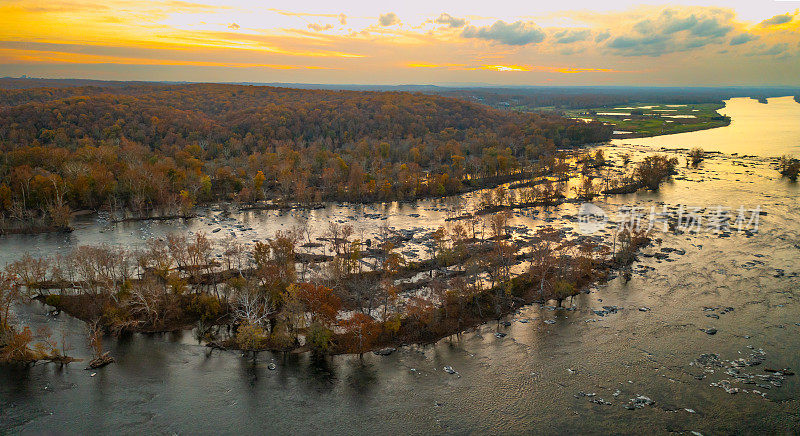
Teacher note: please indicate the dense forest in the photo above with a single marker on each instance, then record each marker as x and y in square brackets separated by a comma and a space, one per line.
[142, 147]
[30, 82]
[525, 97]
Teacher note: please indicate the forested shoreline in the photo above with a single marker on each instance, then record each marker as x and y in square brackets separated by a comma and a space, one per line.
[144, 150]
[140, 149]
[265, 299]
[334, 292]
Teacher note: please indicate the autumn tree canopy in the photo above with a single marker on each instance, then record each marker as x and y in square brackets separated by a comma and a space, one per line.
[139, 147]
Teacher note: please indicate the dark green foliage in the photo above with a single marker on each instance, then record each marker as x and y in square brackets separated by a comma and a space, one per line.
[318, 338]
[53, 300]
[652, 170]
[207, 308]
[789, 168]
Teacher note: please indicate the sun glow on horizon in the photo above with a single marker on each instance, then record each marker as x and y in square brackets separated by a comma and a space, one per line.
[207, 41]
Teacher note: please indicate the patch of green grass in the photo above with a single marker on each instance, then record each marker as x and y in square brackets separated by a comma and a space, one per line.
[651, 120]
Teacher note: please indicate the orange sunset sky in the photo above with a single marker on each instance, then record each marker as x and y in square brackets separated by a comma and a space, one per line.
[568, 42]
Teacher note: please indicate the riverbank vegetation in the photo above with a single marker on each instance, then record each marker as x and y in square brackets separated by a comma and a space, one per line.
[789, 167]
[144, 149]
[356, 297]
[596, 178]
[696, 155]
[21, 345]
[339, 293]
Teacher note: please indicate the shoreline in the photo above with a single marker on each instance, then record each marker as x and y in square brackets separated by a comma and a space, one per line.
[635, 135]
[515, 286]
[477, 304]
[36, 230]
[469, 185]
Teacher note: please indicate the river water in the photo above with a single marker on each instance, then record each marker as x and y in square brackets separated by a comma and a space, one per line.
[540, 378]
[756, 129]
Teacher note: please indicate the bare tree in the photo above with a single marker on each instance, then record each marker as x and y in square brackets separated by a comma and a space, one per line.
[252, 308]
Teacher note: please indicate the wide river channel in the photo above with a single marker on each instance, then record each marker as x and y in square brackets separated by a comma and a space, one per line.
[556, 370]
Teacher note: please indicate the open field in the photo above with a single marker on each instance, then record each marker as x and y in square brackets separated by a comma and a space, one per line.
[641, 120]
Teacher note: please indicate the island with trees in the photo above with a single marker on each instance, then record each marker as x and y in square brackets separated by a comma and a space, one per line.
[352, 296]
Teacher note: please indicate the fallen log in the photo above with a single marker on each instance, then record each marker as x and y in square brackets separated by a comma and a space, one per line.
[101, 361]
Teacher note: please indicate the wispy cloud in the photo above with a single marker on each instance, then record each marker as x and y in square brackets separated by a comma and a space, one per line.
[43, 56]
[450, 21]
[517, 68]
[743, 38]
[777, 20]
[319, 27]
[364, 45]
[570, 36]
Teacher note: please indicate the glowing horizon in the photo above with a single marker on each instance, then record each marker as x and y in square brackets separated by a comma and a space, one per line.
[637, 43]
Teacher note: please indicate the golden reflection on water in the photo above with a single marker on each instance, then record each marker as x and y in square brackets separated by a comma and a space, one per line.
[771, 129]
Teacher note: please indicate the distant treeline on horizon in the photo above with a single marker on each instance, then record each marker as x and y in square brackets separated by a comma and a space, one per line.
[524, 97]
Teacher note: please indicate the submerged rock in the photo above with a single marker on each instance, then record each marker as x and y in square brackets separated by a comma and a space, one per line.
[726, 386]
[607, 310]
[600, 401]
[385, 351]
[639, 402]
[708, 360]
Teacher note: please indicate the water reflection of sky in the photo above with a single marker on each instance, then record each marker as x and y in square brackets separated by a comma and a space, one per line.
[771, 129]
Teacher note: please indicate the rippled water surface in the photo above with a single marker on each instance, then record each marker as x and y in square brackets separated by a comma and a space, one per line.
[541, 377]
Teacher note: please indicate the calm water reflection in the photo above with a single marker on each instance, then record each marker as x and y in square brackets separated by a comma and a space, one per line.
[771, 129]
